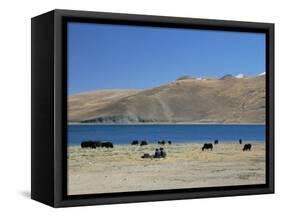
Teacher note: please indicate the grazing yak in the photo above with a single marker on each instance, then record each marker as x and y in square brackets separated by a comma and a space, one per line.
[169, 142]
[247, 147]
[207, 146]
[96, 144]
[143, 142]
[161, 142]
[107, 145]
[216, 142]
[90, 144]
[135, 142]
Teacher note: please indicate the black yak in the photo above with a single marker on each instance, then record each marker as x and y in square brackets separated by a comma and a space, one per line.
[143, 142]
[107, 144]
[90, 144]
[135, 142]
[216, 142]
[207, 146]
[96, 144]
[247, 147]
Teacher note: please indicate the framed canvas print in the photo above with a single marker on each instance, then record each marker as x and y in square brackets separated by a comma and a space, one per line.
[134, 108]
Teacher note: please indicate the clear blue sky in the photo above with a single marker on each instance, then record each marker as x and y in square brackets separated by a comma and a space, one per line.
[104, 56]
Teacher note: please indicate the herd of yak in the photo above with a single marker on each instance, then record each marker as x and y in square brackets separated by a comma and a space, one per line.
[96, 144]
[100, 144]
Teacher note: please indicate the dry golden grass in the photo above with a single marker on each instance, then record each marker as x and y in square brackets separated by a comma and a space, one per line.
[122, 169]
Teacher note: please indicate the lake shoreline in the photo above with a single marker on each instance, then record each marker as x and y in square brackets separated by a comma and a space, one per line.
[125, 134]
[183, 143]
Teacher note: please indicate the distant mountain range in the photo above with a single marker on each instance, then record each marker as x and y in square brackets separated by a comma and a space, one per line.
[230, 99]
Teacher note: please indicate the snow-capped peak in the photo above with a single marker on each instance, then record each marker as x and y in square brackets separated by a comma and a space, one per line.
[261, 74]
[201, 79]
[239, 76]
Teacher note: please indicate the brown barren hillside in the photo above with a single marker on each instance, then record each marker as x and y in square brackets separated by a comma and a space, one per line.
[85, 105]
[226, 100]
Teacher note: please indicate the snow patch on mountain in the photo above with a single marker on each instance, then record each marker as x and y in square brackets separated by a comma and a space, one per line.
[240, 76]
[261, 74]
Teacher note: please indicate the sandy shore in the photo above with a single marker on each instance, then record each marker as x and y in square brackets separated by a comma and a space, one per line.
[122, 169]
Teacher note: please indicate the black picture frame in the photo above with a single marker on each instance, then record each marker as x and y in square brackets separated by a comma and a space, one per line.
[49, 101]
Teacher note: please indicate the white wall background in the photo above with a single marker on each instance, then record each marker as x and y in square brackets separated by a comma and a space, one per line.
[15, 106]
